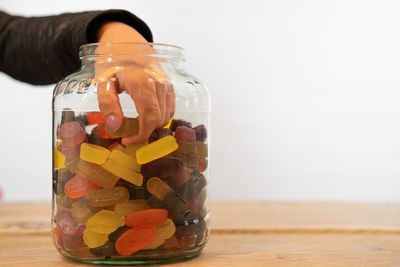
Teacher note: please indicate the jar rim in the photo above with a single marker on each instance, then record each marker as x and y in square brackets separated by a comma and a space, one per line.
[123, 49]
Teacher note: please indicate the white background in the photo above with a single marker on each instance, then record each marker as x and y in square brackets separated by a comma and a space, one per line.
[305, 97]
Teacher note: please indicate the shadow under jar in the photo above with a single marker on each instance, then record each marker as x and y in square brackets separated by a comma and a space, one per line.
[119, 203]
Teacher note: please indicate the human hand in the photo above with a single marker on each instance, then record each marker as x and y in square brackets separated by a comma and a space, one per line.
[140, 76]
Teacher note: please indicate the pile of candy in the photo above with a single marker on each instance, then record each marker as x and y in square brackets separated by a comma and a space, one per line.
[116, 200]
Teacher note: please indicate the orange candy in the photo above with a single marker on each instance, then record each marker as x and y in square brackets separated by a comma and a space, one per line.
[149, 216]
[95, 117]
[78, 187]
[135, 239]
[101, 132]
[57, 232]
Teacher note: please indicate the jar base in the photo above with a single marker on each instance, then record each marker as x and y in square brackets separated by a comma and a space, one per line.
[175, 256]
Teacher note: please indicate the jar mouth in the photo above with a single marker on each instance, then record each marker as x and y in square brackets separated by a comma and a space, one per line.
[158, 50]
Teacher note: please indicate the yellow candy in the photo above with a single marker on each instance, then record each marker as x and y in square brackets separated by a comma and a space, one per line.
[94, 153]
[59, 158]
[123, 172]
[156, 150]
[131, 149]
[105, 222]
[93, 239]
[131, 206]
[163, 232]
[124, 159]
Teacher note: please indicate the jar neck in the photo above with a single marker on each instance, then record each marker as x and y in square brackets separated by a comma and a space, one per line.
[142, 54]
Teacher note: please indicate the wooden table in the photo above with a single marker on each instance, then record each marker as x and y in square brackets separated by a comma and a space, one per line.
[252, 233]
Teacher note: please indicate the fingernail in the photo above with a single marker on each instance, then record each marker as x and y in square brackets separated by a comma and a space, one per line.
[114, 122]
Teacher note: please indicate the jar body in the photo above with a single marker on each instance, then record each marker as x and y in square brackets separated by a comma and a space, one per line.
[135, 203]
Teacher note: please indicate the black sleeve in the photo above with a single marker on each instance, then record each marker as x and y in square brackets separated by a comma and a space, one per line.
[43, 50]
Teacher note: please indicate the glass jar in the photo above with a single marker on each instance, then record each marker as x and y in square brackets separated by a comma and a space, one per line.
[116, 202]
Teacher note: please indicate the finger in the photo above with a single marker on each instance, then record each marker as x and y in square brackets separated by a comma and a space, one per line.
[170, 104]
[143, 92]
[162, 102]
[107, 96]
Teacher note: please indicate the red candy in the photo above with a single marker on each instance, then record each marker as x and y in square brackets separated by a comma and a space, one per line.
[149, 216]
[57, 232]
[72, 133]
[95, 117]
[203, 163]
[78, 187]
[135, 239]
[186, 134]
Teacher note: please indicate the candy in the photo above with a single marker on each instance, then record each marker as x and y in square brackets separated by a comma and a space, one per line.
[159, 133]
[169, 122]
[189, 235]
[64, 220]
[197, 147]
[132, 148]
[163, 167]
[61, 177]
[203, 163]
[117, 233]
[201, 133]
[135, 239]
[98, 139]
[163, 192]
[96, 174]
[71, 242]
[130, 206]
[78, 187]
[124, 159]
[186, 134]
[57, 232]
[94, 153]
[156, 150]
[59, 158]
[105, 222]
[69, 152]
[148, 216]
[170, 244]
[63, 201]
[107, 196]
[67, 116]
[105, 250]
[95, 117]
[72, 133]
[189, 160]
[71, 164]
[117, 146]
[129, 126]
[163, 232]
[177, 123]
[193, 186]
[123, 172]
[81, 211]
[93, 239]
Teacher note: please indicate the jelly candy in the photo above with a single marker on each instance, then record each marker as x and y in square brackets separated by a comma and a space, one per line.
[67, 116]
[96, 174]
[156, 150]
[71, 164]
[163, 167]
[94, 153]
[163, 232]
[201, 133]
[129, 126]
[78, 187]
[71, 242]
[61, 177]
[130, 206]
[172, 200]
[63, 201]
[148, 216]
[170, 244]
[197, 147]
[105, 222]
[203, 163]
[105, 250]
[59, 158]
[193, 186]
[132, 148]
[69, 152]
[64, 220]
[177, 180]
[124, 159]
[123, 172]
[189, 235]
[169, 122]
[81, 211]
[57, 232]
[189, 160]
[93, 239]
[177, 123]
[186, 134]
[117, 233]
[135, 239]
[95, 138]
[117, 146]
[95, 117]
[159, 133]
[107, 196]
[72, 133]
[135, 192]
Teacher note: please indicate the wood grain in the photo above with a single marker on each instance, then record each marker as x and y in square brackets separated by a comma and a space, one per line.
[244, 234]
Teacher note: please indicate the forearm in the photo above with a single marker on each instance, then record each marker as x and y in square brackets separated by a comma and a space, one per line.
[43, 50]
